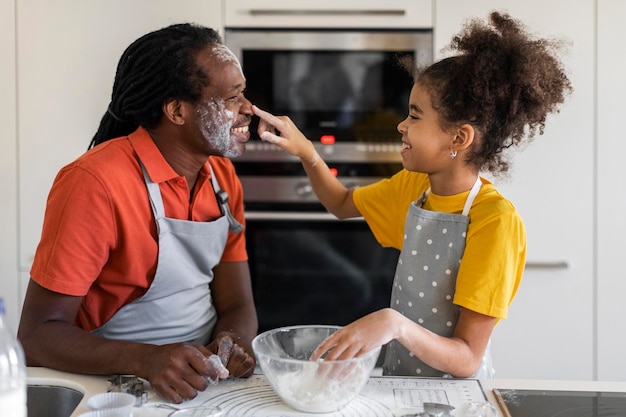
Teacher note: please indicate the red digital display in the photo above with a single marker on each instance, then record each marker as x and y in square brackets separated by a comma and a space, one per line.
[333, 171]
[327, 139]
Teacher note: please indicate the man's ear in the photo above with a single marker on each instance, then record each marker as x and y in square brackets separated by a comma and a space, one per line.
[173, 111]
[464, 137]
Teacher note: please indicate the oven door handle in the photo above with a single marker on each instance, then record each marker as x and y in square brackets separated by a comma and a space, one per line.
[287, 216]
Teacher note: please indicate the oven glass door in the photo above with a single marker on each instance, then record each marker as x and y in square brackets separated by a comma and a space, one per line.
[337, 86]
[339, 96]
[317, 271]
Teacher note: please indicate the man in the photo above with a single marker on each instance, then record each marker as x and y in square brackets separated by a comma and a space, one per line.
[142, 268]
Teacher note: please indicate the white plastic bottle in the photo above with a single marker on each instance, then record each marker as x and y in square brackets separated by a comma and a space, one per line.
[12, 372]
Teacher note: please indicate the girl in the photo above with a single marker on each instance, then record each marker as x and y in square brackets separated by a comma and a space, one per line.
[463, 245]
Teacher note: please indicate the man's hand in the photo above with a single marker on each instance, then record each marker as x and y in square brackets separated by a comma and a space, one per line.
[178, 371]
[238, 362]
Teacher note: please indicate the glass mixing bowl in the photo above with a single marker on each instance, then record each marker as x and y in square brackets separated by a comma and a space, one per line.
[310, 386]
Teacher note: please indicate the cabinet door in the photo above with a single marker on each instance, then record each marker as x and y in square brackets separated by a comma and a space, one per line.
[549, 332]
[391, 14]
[67, 55]
[611, 200]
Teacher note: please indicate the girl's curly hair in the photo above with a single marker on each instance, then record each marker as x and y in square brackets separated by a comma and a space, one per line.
[502, 81]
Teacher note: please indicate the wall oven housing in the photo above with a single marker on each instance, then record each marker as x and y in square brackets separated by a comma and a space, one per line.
[345, 90]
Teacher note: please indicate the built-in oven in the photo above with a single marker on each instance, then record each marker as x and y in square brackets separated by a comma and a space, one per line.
[347, 92]
[308, 268]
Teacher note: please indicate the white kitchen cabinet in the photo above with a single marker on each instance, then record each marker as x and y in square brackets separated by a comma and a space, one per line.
[9, 287]
[550, 330]
[611, 198]
[394, 14]
[67, 52]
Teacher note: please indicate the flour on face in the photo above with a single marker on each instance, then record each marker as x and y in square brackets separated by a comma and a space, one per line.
[223, 54]
[216, 122]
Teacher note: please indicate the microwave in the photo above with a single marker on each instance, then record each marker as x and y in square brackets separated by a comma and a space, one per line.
[338, 86]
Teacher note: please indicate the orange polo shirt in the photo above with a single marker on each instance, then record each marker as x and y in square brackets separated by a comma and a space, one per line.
[99, 237]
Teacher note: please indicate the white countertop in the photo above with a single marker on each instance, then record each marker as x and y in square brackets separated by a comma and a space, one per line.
[91, 385]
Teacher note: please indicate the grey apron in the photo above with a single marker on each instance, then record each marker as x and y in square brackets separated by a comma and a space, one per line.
[178, 306]
[425, 281]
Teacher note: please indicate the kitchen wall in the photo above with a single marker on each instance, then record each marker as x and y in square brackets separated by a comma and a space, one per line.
[57, 63]
[609, 191]
[9, 277]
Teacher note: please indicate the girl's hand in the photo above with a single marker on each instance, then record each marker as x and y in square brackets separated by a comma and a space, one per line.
[281, 131]
[359, 337]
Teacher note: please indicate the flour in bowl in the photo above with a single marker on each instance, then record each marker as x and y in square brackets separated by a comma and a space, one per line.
[321, 390]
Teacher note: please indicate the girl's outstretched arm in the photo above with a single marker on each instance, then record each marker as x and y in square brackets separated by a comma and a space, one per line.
[281, 131]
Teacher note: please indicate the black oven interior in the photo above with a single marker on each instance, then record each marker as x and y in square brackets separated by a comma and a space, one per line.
[317, 272]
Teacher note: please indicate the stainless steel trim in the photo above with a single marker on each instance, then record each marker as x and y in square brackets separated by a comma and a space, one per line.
[327, 12]
[351, 40]
[547, 265]
[290, 216]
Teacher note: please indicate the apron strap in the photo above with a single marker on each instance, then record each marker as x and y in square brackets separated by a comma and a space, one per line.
[155, 195]
[472, 195]
[222, 198]
[468, 202]
[156, 201]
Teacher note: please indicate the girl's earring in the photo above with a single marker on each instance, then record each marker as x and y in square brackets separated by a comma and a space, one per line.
[452, 154]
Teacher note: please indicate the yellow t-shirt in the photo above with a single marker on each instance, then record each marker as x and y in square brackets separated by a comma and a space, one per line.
[495, 250]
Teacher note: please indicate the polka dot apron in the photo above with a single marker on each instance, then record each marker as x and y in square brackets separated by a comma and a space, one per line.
[425, 281]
